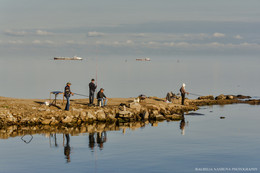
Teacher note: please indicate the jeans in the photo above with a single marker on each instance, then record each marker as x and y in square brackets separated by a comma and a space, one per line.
[182, 98]
[67, 104]
[91, 97]
[102, 101]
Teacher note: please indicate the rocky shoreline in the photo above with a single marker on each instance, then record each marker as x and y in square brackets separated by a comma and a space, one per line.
[26, 113]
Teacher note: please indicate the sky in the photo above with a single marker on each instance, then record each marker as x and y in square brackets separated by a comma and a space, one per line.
[137, 27]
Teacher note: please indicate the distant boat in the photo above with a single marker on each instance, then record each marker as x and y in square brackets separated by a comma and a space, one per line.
[68, 58]
[143, 59]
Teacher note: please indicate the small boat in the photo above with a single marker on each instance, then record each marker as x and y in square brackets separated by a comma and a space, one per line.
[68, 58]
[143, 59]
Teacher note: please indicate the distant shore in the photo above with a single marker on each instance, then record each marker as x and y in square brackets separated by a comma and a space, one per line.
[34, 112]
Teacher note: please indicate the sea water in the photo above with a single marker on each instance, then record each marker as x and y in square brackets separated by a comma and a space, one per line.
[123, 76]
[219, 138]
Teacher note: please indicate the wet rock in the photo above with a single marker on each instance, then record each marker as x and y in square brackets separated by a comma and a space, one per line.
[221, 97]
[242, 97]
[222, 117]
[209, 97]
[174, 117]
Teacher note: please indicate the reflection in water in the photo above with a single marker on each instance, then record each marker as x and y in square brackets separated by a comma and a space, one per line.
[97, 133]
[101, 138]
[182, 125]
[67, 148]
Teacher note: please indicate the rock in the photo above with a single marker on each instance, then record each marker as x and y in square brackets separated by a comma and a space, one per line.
[230, 97]
[174, 117]
[221, 97]
[153, 107]
[101, 116]
[67, 120]
[146, 115]
[125, 114]
[90, 116]
[209, 97]
[159, 117]
[111, 117]
[242, 97]
[46, 121]
[135, 106]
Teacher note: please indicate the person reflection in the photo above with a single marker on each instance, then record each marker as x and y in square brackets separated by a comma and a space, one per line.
[67, 148]
[101, 139]
[91, 139]
[182, 125]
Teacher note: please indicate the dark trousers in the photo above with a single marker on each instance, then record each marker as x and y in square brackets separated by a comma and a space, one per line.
[67, 104]
[182, 98]
[91, 97]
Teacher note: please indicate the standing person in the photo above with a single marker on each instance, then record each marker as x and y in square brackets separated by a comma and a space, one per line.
[92, 89]
[101, 97]
[67, 94]
[183, 92]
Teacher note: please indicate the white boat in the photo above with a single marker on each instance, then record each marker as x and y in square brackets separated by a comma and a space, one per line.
[143, 59]
[68, 58]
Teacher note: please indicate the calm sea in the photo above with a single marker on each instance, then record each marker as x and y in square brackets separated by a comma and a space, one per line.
[200, 142]
[123, 76]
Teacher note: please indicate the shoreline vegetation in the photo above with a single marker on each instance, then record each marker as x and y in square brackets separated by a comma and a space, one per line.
[29, 116]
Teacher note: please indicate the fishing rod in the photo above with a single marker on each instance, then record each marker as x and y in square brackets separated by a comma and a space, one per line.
[195, 94]
[81, 95]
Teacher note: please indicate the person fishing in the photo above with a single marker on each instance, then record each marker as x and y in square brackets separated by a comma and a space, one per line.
[183, 92]
[67, 94]
[101, 97]
[92, 89]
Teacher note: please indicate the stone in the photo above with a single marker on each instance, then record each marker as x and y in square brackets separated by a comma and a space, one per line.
[153, 107]
[159, 117]
[125, 114]
[67, 120]
[230, 97]
[46, 121]
[221, 97]
[135, 106]
[174, 117]
[90, 116]
[209, 97]
[100, 115]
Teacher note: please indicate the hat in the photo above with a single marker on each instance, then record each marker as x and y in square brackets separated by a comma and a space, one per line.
[68, 83]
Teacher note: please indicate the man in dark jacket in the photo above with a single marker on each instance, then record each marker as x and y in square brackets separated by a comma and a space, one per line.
[92, 89]
[67, 94]
[102, 97]
[183, 92]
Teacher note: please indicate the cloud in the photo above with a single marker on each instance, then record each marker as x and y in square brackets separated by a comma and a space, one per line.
[44, 33]
[218, 35]
[44, 42]
[95, 34]
[139, 35]
[238, 37]
[15, 33]
[15, 42]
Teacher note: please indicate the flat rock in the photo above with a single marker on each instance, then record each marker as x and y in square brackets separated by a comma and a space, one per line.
[209, 97]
